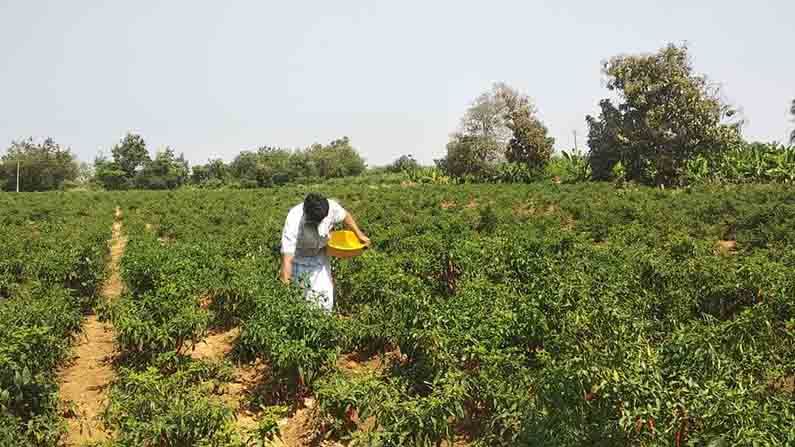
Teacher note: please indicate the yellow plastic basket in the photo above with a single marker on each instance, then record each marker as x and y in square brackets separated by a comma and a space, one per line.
[344, 244]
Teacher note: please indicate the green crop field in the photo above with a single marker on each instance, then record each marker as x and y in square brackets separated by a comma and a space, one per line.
[52, 250]
[491, 315]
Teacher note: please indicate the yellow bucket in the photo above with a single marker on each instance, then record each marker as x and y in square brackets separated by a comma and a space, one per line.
[344, 244]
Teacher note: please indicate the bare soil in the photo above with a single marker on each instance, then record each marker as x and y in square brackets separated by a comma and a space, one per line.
[85, 379]
[247, 378]
[356, 363]
[299, 430]
[236, 395]
[302, 429]
[216, 346]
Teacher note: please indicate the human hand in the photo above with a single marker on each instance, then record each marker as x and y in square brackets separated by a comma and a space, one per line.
[364, 240]
[284, 280]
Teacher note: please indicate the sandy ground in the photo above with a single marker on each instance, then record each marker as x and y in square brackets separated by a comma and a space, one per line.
[84, 380]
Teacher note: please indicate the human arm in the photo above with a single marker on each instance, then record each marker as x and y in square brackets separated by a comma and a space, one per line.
[286, 272]
[338, 214]
[350, 223]
[289, 238]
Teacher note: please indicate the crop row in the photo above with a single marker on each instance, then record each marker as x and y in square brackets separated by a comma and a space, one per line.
[501, 315]
[53, 255]
[577, 316]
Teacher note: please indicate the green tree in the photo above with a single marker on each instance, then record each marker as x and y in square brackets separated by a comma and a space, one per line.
[199, 174]
[85, 173]
[529, 144]
[666, 114]
[131, 154]
[483, 135]
[404, 163]
[337, 159]
[42, 167]
[273, 166]
[303, 165]
[215, 171]
[470, 155]
[500, 124]
[109, 174]
[165, 171]
[244, 166]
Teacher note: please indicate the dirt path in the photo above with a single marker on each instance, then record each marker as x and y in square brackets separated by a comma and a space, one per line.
[301, 428]
[85, 379]
[217, 346]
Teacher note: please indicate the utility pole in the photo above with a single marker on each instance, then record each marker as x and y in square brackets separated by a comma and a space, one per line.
[17, 175]
[576, 149]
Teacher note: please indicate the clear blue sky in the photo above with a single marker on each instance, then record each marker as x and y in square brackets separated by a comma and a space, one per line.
[211, 78]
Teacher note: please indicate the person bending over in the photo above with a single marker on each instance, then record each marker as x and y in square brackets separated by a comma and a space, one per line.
[304, 238]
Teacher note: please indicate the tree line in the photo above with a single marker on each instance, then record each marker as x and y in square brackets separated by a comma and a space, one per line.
[48, 166]
[266, 166]
[666, 125]
[665, 122]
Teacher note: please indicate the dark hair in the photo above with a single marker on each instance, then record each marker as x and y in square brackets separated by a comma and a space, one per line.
[315, 208]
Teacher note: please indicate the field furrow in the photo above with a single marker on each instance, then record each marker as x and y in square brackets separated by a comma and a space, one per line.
[84, 382]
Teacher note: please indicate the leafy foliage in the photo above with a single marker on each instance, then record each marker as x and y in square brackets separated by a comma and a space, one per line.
[168, 408]
[130, 154]
[300, 340]
[53, 260]
[596, 322]
[271, 166]
[214, 173]
[42, 167]
[746, 163]
[529, 143]
[576, 166]
[667, 115]
[470, 155]
[500, 124]
[132, 167]
[404, 163]
[165, 171]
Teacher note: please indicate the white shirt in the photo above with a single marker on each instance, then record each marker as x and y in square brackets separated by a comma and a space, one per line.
[306, 242]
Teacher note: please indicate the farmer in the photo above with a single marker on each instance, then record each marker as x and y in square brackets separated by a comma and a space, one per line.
[304, 238]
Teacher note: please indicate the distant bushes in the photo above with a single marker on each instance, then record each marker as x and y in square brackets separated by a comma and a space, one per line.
[404, 163]
[132, 168]
[273, 166]
[569, 167]
[41, 166]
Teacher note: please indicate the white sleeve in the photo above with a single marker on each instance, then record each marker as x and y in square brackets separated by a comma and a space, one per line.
[290, 233]
[336, 212]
